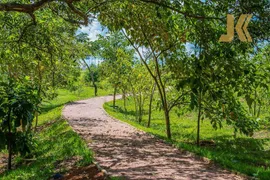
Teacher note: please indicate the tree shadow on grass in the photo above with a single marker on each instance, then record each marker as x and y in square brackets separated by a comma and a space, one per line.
[247, 155]
[47, 108]
[246, 150]
[123, 111]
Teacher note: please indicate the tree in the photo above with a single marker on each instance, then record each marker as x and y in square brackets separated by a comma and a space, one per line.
[161, 27]
[214, 76]
[18, 104]
[117, 56]
[151, 31]
[256, 83]
[86, 49]
[42, 51]
[83, 10]
[92, 76]
[213, 92]
[79, 11]
[139, 83]
[153, 88]
[30, 8]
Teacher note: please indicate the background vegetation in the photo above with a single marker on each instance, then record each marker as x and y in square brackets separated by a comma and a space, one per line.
[177, 80]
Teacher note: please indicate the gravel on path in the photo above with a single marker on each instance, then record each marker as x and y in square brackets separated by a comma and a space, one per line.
[125, 151]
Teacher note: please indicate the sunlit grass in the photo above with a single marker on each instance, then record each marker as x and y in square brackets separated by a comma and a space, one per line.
[51, 109]
[54, 144]
[55, 141]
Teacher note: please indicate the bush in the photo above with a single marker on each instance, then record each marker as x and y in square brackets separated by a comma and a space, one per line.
[18, 105]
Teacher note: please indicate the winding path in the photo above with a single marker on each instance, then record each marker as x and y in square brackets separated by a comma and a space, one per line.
[127, 152]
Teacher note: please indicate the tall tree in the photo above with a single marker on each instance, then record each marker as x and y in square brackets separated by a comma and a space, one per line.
[117, 56]
[152, 32]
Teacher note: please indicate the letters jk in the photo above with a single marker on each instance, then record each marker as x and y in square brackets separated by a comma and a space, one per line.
[241, 30]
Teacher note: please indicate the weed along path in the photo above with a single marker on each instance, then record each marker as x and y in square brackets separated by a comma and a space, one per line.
[127, 152]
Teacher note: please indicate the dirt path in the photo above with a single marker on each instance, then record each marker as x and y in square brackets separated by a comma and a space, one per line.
[124, 151]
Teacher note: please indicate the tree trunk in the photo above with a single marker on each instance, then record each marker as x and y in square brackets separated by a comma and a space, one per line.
[150, 105]
[136, 106]
[163, 97]
[125, 100]
[140, 114]
[39, 91]
[158, 80]
[166, 110]
[199, 120]
[96, 89]
[36, 121]
[114, 96]
[9, 152]
[255, 103]
[140, 108]
[134, 95]
[168, 125]
[92, 77]
[9, 140]
[93, 81]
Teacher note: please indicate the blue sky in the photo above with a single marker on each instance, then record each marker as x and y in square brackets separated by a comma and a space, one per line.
[95, 29]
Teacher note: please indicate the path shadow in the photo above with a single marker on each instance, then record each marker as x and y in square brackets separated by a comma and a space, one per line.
[74, 103]
[143, 156]
[47, 108]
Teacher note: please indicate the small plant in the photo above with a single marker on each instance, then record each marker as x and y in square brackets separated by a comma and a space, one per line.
[18, 104]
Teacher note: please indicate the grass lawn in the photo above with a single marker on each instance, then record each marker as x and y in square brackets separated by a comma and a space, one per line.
[55, 142]
[250, 156]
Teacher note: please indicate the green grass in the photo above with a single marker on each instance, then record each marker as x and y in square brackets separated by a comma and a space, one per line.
[54, 144]
[56, 141]
[250, 156]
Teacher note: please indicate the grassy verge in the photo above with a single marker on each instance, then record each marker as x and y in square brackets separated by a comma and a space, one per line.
[250, 156]
[55, 143]
[52, 109]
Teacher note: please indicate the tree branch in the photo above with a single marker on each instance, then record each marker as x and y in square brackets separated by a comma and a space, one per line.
[187, 14]
[78, 12]
[176, 101]
[26, 8]
[31, 8]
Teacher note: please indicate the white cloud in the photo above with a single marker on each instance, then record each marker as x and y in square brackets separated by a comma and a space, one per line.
[93, 30]
[190, 48]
